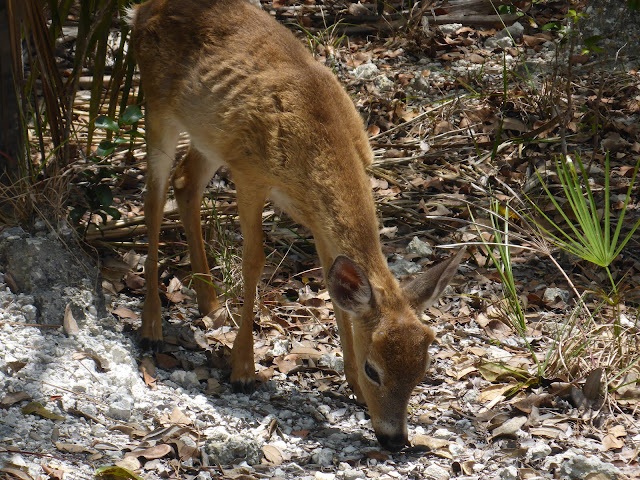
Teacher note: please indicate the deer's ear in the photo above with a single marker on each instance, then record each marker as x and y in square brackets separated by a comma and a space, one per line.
[349, 286]
[427, 287]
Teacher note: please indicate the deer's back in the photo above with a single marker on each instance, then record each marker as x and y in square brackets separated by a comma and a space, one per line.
[241, 84]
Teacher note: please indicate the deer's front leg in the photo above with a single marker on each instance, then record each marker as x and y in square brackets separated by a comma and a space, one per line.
[250, 204]
[345, 329]
[161, 146]
[346, 339]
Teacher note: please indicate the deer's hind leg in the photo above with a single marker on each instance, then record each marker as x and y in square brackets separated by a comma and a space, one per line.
[189, 182]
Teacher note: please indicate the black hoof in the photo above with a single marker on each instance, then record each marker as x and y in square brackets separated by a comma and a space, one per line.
[149, 345]
[242, 386]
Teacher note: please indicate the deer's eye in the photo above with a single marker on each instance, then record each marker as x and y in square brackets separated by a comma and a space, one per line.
[372, 373]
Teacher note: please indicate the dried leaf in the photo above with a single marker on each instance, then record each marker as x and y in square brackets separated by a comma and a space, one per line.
[12, 398]
[213, 387]
[70, 447]
[287, 363]
[272, 454]
[186, 451]
[598, 476]
[216, 319]
[157, 451]
[377, 455]
[593, 384]
[514, 124]
[115, 472]
[546, 431]
[431, 443]
[373, 130]
[611, 442]
[16, 472]
[36, 408]
[179, 418]
[134, 281]
[53, 473]
[460, 374]
[510, 427]
[166, 362]
[265, 375]
[617, 431]
[175, 297]
[82, 355]
[475, 58]
[491, 392]
[497, 330]
[69, 323]
[492, 371]
[129, 462]
[132, 430]
[124, 312]
[15, 367]
[534, 400]
[174, 291]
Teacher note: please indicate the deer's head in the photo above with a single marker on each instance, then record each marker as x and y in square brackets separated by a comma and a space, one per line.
[390, 343]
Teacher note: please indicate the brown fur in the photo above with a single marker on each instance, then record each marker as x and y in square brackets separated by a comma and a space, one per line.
[252, 97]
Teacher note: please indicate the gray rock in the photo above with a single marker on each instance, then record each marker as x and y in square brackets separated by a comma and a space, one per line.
[436, 472]
[509, 473]
[332, 361]
[421, 84]
[400, 266]
[579, 466]
[280, 347]
[383, 83]
[353, 474]
[120, 407]
[554, 295]
[323, 457]
[450, 28]
[456, 449]
[419, 247]
[225, 449]
[203, 475]
[324, 476]
[366, 71]
[56, 272]
[539, 450]
[514, 31]
[185, 379]
[443, 433]
[494, 43]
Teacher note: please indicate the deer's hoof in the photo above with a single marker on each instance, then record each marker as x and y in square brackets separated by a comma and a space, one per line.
[243, 386]
[149, 345]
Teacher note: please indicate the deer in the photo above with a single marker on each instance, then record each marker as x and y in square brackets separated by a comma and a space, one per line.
[252, 97]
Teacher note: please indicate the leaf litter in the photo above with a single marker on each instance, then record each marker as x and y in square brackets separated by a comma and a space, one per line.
[482, 402]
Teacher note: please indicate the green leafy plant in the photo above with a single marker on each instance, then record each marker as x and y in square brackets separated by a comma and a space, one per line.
[124, 131]
[49, 135]
[326, 40]
[499, 251]
[96, 190]
[588, 237]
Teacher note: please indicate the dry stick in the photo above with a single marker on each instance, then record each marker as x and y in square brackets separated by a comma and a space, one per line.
[36, 325]
[58, 387]
[569, 113]
[413, 120]
[596, 123]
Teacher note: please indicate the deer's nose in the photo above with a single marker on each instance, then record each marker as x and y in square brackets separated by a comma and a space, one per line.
[393, 443]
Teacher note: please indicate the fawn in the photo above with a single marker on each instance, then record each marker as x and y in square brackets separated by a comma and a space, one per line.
[253, 98]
